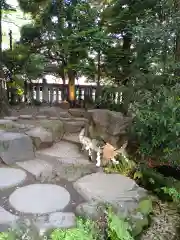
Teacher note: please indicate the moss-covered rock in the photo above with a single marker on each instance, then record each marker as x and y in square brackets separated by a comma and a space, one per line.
[53, 126]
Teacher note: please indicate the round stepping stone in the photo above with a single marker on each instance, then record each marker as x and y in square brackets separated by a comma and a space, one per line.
[10, 177]
[39, 198]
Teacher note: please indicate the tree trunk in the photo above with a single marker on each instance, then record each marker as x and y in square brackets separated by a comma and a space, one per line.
[71, 88]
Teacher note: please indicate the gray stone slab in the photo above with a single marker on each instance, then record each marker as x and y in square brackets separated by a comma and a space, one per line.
[39, 198]
[40, 169]
[6, 217]
[55, 220]
[41, 137]
[10, 177]
[15, 147]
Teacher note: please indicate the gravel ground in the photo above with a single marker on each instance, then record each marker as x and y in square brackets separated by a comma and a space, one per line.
[165, 224]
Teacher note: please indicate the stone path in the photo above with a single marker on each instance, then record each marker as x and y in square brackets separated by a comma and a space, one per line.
[56, 182]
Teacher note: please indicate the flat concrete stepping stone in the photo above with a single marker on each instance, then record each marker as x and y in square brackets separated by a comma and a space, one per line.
[10, 177]
[39, 198]
[11, 118]
[56, 220]
[41, 137]
[15, 147]
[7, 217]
[62, 150]
[25, 116]
[115, 189]
[42, 170]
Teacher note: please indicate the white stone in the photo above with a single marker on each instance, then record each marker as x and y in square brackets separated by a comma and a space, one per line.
[110, 188]
[39, 198]
[39, 168]
[6, 217]
[10, 177]
[56, 220]
[15, 147]
[11, 118]
[25, 116]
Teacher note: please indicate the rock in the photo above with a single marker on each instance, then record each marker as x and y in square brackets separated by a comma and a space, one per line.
[6, 124]
[10, 177]
[54, 112]
[72, 137]
[11, 118]
[110, 126]
[40, 169]
[26, 117]
[64, 114]
[16, 147]
[41, 137]
[78, 112]
[93, 210]
[48, 111]
[73, 127]
[66, 153]
[119, 191]
[40, 117]
[72, 172]
[6, 217]
[55, 220]
[55, 127]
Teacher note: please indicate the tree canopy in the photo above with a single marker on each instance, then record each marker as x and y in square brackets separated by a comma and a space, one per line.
[132, 45]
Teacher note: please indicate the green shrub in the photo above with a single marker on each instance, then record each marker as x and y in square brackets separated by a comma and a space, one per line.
[151, 180]
[125, 166]
[156, 125]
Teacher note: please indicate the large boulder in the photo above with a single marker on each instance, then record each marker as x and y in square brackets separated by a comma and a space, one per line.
[109, 125]
[15, 147]
[127, 199]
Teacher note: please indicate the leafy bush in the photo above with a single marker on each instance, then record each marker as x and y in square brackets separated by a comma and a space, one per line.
[156, 124]
[125, 166]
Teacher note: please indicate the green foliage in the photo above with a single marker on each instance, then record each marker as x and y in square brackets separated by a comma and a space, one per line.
[118, 229]
[156, 124]
[173, 193]
[125, 166]
[4, 236]
[85, 230]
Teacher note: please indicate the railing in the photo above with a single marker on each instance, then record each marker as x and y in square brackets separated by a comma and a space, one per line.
[55, 93]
